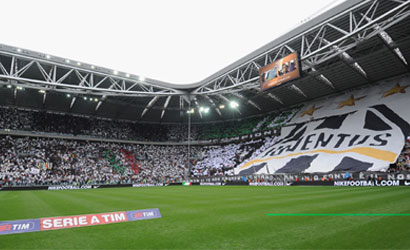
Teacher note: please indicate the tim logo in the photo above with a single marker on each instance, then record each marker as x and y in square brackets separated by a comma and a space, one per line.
[5, 227]
[137, 215]
[17, 227]
[23, 226]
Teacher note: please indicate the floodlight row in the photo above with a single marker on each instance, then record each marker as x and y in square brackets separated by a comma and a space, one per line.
[201, 109]
[42, 91]
[68, 61]
[205, 110]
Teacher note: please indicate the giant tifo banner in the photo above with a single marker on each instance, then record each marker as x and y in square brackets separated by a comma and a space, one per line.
[53, 223]
[364, 130]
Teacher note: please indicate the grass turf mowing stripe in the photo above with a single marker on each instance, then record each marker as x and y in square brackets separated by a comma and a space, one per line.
[333, 214]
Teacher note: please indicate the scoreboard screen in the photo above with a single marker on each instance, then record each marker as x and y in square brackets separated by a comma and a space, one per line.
[280, 71]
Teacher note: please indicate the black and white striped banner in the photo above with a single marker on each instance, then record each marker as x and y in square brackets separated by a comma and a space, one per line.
[364, 130]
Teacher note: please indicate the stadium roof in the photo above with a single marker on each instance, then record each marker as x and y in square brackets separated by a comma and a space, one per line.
[353, 44]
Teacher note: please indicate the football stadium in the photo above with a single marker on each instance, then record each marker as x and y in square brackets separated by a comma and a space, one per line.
[302, 144]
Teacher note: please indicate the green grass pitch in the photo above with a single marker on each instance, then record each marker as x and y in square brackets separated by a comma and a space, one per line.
[227, 217]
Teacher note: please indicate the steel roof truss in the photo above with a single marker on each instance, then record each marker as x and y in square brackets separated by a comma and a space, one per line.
[149, 105]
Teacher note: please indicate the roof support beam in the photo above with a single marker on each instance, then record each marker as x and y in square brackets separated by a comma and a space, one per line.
[165, 106]
[149, 105]
[389, 42]
[197, 104]
[43, 72]
[44, 98]
[72, 102]
[276, 98]
[318, 44]
[297, 90]
[247, 101]
[3, 69]
[213, 105]
[314, 50]
[181, 106]
[345, 57]
[21, 71]
[320, 77]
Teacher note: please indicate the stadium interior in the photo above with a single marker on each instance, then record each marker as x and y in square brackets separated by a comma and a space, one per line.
[229, 118]
[344, 120]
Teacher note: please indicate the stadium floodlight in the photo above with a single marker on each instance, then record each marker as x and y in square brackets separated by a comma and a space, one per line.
[95, 99]
[115, 72]
[192, 111]
[85, 98]
[42, 91]
[48, 56]
[141, 78]
[68, 95]
[204, 109]
[127, 75]
[233, 104]
[67, 61]
[19, 88]
[18, 50]
[78, 63]
[92, 66]
[9, 86]
[222, 106]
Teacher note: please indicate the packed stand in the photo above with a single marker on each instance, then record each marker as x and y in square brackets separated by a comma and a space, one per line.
[68, 124]
[45, 161]
[259, 148]
[246, 126]
[40, 121]
[403, 162]
[222, 159]
[41, 161]
[179, 132]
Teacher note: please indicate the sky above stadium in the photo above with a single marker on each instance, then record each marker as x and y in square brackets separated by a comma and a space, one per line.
[178, 41]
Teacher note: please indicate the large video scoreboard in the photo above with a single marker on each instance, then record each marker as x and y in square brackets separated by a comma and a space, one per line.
[280, 71]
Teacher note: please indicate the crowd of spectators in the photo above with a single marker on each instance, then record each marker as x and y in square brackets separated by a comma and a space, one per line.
[257, 149]
[246, 126]
[40, 121]
[44, 161]
[220, 160]
[403, 161]
[216, 160]
[52, 161]
[69, 124]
